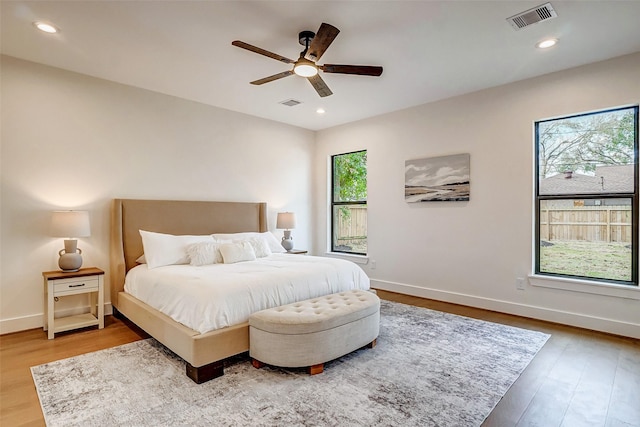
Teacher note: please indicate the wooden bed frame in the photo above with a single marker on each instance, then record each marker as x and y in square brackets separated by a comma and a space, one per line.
[204, 353]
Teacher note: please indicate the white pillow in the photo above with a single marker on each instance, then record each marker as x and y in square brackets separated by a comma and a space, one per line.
[166, 249]
[141, 259]
[260, 246]
[272, 241]
[204, 253]
[237, 252]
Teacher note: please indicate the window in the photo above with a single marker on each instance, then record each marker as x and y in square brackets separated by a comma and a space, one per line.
[349, 203]
[587, 196]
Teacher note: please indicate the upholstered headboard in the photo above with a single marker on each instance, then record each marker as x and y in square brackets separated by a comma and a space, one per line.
[128, 216]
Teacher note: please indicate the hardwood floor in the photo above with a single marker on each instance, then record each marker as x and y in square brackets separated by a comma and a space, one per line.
[579, 378]
[19, 404]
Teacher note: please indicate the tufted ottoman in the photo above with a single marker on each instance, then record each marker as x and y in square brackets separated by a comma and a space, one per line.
[312, 332]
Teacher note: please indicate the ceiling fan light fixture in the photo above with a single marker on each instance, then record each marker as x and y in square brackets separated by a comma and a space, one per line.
[305, 68]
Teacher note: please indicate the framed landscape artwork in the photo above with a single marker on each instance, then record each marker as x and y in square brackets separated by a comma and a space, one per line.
[437, 179]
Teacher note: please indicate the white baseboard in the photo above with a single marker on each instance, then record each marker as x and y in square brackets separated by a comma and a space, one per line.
[35, 321]
[564, 317]
[18, 324]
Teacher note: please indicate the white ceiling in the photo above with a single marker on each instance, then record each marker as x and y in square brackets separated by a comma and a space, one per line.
[430, 50]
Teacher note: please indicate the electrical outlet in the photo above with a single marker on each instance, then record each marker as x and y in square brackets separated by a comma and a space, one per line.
[520, 283]
[373, 264]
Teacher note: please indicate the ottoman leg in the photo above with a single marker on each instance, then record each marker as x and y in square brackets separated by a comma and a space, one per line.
[316, 369]
[372, 343]
[257, 364]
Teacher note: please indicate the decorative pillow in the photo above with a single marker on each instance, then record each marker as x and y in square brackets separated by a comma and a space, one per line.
[272, 241]
[237, 252]
[204, 253]
[141, 259]
[260, 247]
[166, 249]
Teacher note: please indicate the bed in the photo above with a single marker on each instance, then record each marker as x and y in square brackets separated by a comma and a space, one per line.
[203, 350]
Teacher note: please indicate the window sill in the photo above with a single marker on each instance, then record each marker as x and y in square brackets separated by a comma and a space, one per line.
[586, 286]
[358, 259]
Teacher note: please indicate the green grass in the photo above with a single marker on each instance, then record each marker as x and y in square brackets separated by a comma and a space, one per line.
[590, 259]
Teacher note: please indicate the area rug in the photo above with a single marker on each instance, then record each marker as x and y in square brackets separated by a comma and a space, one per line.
[428, 369]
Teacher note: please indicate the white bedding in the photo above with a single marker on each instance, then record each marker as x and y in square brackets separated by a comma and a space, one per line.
[210, 297]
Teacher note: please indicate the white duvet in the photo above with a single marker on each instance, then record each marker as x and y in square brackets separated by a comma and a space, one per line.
[215, 296]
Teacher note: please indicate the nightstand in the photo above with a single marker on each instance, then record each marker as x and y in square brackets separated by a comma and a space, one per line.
[60, 284]
[297, 251]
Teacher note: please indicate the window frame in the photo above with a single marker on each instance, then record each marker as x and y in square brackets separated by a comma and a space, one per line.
[634, 196]
[333, 203]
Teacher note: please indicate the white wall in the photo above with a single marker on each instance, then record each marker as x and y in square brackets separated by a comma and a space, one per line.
[472, 252]
[73, 141]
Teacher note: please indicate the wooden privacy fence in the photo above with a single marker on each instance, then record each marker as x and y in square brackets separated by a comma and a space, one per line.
[352, 225]
[593, 224]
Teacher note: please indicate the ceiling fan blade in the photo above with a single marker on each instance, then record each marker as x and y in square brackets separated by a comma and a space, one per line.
[272, 78]
[255, 49]
[319, 85]
[323, 38]
[362, 70]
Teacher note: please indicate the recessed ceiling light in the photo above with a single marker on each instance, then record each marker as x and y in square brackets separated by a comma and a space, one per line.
[547, 43]
[320, 111]
[47, 28]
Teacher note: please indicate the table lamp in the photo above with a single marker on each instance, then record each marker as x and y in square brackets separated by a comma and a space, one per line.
[286, 221]
[70, 224]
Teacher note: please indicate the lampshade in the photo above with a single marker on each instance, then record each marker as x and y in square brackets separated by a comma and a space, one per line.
[70, 224]
[286, 220]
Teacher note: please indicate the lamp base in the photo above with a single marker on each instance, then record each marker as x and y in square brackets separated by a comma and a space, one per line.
[70, 260]
[287, 244]
[287, 241]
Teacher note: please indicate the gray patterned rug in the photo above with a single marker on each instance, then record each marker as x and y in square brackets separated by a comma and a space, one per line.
[428, 369]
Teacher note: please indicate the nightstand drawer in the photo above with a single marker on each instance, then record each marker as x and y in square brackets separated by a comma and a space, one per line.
[65, 286]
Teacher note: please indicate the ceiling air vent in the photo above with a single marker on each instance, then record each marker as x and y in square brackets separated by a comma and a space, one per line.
[290, 102]
[532, 16]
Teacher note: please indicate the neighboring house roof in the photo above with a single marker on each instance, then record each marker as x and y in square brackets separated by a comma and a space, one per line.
[607, 179]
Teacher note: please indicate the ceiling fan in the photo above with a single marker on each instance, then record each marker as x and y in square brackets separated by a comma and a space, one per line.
[315, 44]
